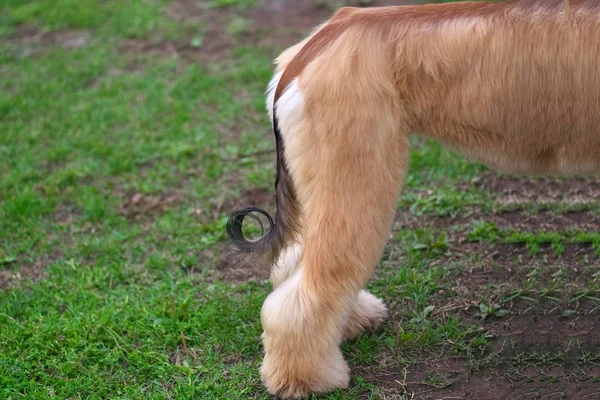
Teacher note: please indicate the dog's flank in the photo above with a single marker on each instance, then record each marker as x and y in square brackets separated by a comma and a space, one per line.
[514, 85]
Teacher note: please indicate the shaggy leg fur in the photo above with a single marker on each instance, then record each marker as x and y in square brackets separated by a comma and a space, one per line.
[301, 348]
[368, 313]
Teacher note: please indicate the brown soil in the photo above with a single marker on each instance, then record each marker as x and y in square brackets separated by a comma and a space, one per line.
[10, 278]
[544, 221]
[240, 270]
[508, 384]
[443, 377]
[31, 41]
[138, 205]
[510, 189]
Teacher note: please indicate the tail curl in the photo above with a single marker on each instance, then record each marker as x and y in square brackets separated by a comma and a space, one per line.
[283, 229]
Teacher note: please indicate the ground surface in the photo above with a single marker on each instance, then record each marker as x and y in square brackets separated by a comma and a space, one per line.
[131, 129]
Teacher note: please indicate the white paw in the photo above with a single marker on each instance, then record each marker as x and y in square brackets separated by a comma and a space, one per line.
[368, 313]
[292, 373]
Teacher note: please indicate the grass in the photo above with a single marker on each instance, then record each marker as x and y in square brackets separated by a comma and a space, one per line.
[119, 167]
[139, 18]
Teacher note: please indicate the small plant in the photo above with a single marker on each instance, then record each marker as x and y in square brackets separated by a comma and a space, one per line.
[492, 310]
[483, 230]
[429, 241]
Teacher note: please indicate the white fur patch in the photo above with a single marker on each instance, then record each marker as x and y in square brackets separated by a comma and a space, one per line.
[290, 107]
[271, 93]
[290, 117]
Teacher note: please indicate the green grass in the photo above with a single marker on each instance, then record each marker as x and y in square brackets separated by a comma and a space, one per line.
[108, 297]
[137, 18]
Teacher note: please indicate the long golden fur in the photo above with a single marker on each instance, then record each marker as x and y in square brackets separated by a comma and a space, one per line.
[514, 85]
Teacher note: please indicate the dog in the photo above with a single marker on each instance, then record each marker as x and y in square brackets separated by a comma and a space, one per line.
[514, 85]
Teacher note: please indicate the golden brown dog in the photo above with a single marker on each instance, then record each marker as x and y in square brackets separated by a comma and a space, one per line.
[514, 85]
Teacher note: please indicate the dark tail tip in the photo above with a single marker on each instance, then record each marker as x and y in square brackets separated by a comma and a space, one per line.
[236, 234]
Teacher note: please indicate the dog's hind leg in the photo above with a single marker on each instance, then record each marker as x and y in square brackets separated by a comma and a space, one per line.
[367, 313]
[347, 150]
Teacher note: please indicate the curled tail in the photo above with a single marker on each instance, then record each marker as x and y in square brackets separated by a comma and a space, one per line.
[286, 226]
[283, 229]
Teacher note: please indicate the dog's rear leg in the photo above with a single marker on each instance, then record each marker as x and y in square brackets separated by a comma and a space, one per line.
[347, 166]
[367, 313]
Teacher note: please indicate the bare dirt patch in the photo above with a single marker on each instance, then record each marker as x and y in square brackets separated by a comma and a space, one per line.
[510, 189]
[140, 205]
[544, 329]
[545, 221]
[164, 49]
[65, 214]
[10, 278]
[507, 277]
[32, 41]
[501, 261]
[445, 377]
[501, 384]
[507, 373]
[518, 219]
[240, 270]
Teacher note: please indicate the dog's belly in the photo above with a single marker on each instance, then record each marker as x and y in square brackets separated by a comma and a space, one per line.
[558, 161]
[552, 150]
